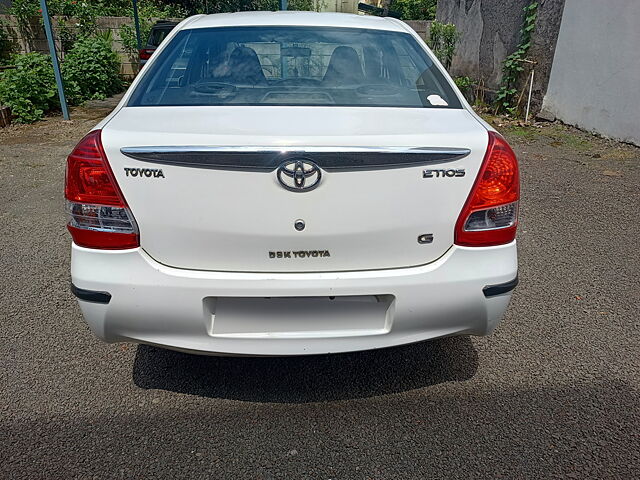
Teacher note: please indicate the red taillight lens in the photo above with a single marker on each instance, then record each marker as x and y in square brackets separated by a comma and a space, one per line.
[98, 214]
[490, 215]
[88, 177]
[145, 53]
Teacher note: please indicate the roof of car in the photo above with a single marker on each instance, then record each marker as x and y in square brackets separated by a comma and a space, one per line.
[165, 23]
[290, 18]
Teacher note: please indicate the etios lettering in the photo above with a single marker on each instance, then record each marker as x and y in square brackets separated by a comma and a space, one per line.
[144, 172]
[459, 172]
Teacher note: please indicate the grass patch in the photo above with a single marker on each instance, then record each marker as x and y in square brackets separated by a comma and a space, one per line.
[570, 138]
[621, 153]
[572, 141]
[527, 133]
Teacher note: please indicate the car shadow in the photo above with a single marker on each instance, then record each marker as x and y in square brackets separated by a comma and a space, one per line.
[309, 378]
[586, 430]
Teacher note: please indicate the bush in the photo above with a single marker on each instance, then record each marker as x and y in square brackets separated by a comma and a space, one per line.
[464, 84]
[29, 89]
[415, 9]
[91, 69]
[466, 87]
[77, 18]
[5, 46]
[443, 38]
[90, 9]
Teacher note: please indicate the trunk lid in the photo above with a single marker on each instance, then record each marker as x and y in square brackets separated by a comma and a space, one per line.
[239, 217]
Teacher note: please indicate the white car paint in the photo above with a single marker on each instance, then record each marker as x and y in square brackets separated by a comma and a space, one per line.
[202, 280]
[343, 214]
[159, 305]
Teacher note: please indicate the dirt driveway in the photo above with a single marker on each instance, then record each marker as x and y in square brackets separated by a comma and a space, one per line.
[554, 393]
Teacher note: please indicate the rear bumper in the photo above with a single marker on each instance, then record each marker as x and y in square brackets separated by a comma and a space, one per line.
[155, 304]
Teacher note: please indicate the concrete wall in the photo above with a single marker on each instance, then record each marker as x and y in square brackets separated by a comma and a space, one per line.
[595, 79]
[422, 27]
[343, 6]
[490, 31]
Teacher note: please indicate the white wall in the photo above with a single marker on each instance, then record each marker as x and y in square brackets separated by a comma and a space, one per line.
[595, 78]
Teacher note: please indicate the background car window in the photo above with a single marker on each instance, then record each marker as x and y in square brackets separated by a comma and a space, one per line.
[157, 35]
[293, 66]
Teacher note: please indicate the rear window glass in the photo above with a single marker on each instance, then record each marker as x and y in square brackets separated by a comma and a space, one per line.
[158, 34]
[293, 66]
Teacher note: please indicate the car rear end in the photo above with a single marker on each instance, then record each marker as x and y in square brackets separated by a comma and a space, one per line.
[300, 209]
[158, 33]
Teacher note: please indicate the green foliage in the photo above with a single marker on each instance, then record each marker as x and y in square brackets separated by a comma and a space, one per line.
[87, 10]
[443, 38]
[91, 69]
[146, 8]
[415, 9]
[23, 10]
[129, 40]
[77, 18]
[191, 7]
[514, 64]
[223, 6]
[6, 47]
[464, 84]
[105, 36]
[82, 13]
[29, 89]
[301, 5]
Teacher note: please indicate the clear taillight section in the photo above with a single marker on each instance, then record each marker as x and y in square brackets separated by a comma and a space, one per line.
[490, 215]
[98, 214]
[100, 217]
[497, 217]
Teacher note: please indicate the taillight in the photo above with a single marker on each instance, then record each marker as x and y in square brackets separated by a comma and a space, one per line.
[98, 214]
[145, 53]
[490, 215]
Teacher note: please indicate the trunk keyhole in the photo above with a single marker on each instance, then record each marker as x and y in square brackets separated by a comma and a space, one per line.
[425, 238]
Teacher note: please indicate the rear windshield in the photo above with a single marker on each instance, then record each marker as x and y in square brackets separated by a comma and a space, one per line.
[293, 66]
[158, 34]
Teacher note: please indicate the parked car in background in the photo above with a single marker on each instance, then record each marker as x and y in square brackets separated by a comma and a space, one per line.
[158, 33]
[288, 183]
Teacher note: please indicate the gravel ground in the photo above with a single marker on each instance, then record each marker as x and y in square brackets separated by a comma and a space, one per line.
[554, 392]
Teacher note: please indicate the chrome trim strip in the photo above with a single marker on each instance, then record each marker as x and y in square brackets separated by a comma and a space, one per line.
[268, 158]
[291, 149]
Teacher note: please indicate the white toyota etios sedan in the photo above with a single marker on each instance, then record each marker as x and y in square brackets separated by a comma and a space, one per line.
[287, 183]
